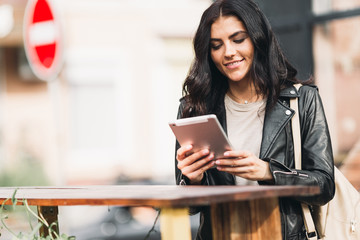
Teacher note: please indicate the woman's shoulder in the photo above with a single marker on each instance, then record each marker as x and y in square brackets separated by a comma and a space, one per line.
[309, 88]
[309, 92]
[182, 105]
[292, 91]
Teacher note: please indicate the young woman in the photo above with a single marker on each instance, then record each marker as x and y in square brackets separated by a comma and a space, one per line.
[240, 74]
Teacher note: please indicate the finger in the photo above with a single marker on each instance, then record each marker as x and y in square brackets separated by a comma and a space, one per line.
[202, 162]
[195, 172]
[249, 172]
[193, 158]
[235, 162]
[182, 151]
[238, 169]
[192, 174]
[237, 154]
[224, 162]
[232, 169]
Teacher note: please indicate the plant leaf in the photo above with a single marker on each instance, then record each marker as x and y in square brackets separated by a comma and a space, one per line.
[13, 199]
[36, 229]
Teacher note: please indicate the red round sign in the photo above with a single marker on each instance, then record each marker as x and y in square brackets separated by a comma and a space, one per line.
[42, 39]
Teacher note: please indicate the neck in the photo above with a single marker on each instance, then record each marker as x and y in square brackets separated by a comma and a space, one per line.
[243, 92]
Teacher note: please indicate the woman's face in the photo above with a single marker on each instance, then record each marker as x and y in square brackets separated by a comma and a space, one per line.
[231, 48]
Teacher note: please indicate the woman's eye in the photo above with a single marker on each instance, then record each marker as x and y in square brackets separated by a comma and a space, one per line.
[216, 47]
[239, 40]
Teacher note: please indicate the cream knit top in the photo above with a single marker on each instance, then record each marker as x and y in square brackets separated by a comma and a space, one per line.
[244, 126]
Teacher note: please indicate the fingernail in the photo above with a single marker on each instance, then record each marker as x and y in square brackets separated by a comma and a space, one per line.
[226, 154]
[205, 151]
[188, 147]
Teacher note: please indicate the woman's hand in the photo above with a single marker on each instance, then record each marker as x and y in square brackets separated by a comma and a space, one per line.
[244, 164]
[193, 165]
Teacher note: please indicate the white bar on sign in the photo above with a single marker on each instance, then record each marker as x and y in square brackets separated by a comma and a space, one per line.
[42, 33]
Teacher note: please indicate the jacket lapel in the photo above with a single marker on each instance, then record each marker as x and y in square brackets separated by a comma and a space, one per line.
[275, 121]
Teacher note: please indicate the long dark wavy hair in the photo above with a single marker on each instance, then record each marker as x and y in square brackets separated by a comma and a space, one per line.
[205, 86]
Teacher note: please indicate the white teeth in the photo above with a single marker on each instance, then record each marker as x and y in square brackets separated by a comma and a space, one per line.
[232, 63]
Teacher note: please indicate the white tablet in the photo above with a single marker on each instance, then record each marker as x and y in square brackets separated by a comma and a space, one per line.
[201, 132]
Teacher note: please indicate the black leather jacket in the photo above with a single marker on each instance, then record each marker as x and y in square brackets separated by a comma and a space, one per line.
[277, 149]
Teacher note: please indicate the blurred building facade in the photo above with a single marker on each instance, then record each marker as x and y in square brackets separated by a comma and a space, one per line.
[125, 60]
[106, 115]
[337, 71]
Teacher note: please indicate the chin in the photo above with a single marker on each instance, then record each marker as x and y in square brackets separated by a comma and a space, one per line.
[235, 79]
[238, 77]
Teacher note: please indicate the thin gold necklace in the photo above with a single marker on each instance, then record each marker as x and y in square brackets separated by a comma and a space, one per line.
[239, 100]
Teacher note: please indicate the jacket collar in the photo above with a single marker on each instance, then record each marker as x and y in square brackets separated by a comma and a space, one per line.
[290, 92]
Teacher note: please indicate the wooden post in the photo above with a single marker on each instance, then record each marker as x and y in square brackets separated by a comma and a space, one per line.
[50, 214]
[247, 220]
[175, 224]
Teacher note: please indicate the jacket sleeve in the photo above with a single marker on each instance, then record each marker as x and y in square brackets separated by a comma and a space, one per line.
[317, 155]
[179, 178]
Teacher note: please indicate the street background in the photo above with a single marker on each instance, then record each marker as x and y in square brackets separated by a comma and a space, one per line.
[103, 120]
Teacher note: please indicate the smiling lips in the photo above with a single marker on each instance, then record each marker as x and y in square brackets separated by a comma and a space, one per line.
[234, 64]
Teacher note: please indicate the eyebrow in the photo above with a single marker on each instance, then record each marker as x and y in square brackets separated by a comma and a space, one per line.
[230, 37]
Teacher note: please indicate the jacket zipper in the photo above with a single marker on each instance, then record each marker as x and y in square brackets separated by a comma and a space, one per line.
[182, 182]
[292, 173]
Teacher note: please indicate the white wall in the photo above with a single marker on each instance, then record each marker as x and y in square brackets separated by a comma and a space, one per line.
[125, 62]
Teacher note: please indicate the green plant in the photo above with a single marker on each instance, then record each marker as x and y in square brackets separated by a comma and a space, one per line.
[33, 234]
[27, 170]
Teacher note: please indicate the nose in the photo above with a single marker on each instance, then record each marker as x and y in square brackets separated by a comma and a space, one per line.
[230, 51]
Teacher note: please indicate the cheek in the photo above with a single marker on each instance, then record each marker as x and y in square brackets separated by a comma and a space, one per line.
[251, 52]
[213, 57]
[217, 60]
